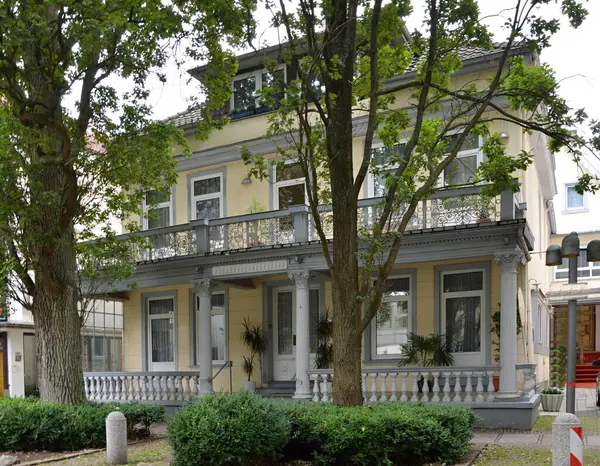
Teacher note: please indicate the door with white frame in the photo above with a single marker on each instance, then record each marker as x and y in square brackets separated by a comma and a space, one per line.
[161, 334]
[463, 315]
[284, 331]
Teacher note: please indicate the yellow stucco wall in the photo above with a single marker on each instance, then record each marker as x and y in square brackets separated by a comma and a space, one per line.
[248, 303]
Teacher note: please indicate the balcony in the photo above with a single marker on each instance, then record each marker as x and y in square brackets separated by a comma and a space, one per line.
[457, 207]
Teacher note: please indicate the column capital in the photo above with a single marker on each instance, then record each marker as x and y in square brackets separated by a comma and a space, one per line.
[300, 277]
[510, 259]
[202, 286]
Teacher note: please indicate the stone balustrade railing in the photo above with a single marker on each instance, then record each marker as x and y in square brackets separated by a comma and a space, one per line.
[170, 388]
[435, 384]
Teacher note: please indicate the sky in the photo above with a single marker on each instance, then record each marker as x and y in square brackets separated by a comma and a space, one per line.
[572, 54]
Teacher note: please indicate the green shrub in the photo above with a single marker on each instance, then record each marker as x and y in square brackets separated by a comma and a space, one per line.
[29, 424]
[386, 433]
[238, 429]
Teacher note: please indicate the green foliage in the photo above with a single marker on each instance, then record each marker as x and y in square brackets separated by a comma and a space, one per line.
[551, 391]
[426, 351]
[29, 424]
[237, 429]
[558, 366]
[324, 351]
[386, 433]
[252, 336]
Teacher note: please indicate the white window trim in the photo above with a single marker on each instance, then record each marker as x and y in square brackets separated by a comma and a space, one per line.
[590, 267]
[283, 184]
[465, 294]
[213, 311]
[204, 197]
[371, 176]
[574, 210]
[464, 153]
[160, 205]
[152, 317]
[408, 298]
[258, 76]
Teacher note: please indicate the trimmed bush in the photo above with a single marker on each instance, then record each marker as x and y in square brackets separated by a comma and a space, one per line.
[238, 429]
[386, 433]
[29, 424]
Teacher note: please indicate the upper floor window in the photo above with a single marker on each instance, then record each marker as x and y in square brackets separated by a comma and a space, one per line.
[244, 98]
[386, 159]
[289, 185]
[158, 210]
[584, 268]
[574, 202]
[207, 196]
[462, 169]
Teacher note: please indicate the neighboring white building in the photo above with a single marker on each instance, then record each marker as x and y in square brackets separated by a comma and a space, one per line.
[579, 213]
[18, 369]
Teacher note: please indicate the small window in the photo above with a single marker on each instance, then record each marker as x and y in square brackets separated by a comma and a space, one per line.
[462, 169]
[574, 200]
[157, 209]
[207, 197]
[244, 98]
[386, 160]
[289, 186]
[584, 268]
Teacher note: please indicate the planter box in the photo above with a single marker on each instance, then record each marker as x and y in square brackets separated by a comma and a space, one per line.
[552, 402]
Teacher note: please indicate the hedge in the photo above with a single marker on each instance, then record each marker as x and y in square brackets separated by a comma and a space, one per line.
[242, 429]
[238, 429]
[29, 424]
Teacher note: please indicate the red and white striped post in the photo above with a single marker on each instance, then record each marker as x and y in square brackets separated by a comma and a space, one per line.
[576, 446]
[567, 444]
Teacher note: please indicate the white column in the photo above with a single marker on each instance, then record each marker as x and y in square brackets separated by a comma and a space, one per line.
[204, 342]
[16, 363]
[302, 334]
[508, 262]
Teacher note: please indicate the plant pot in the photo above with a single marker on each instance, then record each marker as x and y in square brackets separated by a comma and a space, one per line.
[484, 220]
[250, 385]
[552, 402]
[496, 382]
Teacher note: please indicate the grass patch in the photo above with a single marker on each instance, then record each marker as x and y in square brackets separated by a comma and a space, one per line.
[145, 452]
[496, 455]
[591, 425]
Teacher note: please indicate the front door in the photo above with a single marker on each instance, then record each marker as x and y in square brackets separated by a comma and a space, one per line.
[161, 334]
[284, 334]
[463, 316]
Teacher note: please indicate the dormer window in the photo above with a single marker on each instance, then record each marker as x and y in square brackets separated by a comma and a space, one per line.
[244, 98]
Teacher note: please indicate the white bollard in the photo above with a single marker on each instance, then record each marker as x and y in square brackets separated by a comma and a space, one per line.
[116, 438]
[567, 447]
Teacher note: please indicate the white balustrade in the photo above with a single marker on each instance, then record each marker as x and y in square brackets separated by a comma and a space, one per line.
[171, 388]
[461, 385]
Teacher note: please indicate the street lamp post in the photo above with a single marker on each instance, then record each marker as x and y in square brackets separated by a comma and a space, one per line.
[569, 249]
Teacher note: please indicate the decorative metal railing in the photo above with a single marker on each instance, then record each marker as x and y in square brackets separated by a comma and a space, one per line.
[446, 207]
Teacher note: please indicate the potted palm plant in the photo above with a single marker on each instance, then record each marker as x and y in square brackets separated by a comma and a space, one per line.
[552, 398]
[252, 336]
[426, 351]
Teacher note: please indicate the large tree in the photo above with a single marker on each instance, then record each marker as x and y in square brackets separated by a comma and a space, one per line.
[68, 168]
[347, 53]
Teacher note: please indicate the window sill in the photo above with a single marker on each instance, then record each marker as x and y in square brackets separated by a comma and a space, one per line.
[579, 210]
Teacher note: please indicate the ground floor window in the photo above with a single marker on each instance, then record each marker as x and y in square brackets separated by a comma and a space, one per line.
[462, 299]
[393, 320]
[102, 337]
[218, 327]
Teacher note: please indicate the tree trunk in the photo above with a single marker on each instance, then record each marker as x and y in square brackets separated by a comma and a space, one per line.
[58, 337]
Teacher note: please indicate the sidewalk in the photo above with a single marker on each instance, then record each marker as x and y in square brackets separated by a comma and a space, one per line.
[527, 439]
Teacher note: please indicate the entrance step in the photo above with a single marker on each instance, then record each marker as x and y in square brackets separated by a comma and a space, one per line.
[586, 372]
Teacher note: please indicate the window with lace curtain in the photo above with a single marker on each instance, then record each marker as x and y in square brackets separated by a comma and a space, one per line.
[218, 327]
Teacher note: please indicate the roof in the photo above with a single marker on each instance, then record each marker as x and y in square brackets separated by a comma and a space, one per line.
[191, 116]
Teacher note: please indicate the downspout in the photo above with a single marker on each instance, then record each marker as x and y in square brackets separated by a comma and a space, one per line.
[551, 216]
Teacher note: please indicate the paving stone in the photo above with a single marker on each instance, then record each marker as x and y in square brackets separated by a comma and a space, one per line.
[482, 438]
[518, 439]
[546, 440]
[592, 440]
